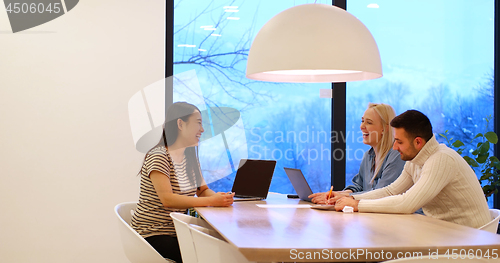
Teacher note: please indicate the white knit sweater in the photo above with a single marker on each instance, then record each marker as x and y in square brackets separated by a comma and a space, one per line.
[440, 181]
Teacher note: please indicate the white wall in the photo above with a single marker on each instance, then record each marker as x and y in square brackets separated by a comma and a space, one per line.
[66, 151]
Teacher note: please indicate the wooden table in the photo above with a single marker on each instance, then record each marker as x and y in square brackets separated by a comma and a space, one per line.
[304, 234]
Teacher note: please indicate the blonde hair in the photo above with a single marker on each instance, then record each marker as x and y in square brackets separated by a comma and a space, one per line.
[386, 113]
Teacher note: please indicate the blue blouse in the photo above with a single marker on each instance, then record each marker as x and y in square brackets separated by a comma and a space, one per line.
[390, 171]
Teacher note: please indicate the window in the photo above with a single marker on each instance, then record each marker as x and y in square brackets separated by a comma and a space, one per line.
[437, 57]
[289, 123]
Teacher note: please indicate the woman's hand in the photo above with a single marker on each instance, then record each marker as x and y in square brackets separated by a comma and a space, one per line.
[222, 199]
[318, 198]
[336, 196]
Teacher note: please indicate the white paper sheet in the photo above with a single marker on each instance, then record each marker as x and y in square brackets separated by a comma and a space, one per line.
[283, 206]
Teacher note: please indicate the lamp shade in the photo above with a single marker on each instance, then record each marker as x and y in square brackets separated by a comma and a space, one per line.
[314, 43]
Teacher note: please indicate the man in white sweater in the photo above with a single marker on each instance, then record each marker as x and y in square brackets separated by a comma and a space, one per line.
[435, 178]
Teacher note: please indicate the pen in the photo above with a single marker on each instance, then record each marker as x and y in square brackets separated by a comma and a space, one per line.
[329, 193]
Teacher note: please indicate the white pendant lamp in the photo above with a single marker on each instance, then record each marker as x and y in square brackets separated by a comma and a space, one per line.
[314, 43]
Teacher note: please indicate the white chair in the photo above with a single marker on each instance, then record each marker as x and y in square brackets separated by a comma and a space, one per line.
[441, 259]
[211, 249]
[492, 226]
[136, 248]
[186, 245]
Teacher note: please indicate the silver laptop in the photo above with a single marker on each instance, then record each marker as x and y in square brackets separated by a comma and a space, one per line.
[253, 179]
[299, 183]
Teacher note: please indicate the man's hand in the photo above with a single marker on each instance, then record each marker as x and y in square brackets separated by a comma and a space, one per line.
[342, 202]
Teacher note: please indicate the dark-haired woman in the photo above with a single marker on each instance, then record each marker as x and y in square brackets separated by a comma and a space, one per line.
[170, 179]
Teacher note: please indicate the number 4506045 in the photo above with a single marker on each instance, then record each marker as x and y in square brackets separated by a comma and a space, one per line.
[471, 253]
[33, 8]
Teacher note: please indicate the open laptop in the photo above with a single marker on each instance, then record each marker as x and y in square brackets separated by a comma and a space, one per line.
[299, 183]
[253, 179]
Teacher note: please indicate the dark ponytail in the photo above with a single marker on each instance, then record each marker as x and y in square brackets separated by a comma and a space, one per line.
[181, 110]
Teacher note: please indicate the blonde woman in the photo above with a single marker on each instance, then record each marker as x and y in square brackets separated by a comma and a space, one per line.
[381, 165]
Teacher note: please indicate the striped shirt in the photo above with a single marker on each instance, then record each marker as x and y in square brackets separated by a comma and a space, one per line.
[151, 218]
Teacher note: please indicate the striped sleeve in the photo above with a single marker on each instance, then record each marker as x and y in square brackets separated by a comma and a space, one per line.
[151, 217]
[157, 161]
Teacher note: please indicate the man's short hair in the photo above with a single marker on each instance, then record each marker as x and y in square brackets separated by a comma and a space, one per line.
[415, 123]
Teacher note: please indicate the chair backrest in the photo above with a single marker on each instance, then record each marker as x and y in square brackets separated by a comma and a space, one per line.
[492, 226]
[210, 249]
[136, 248]
[186, 245]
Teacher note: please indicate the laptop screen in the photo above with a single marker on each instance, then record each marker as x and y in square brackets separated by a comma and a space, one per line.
[299, 183]
[253, 178]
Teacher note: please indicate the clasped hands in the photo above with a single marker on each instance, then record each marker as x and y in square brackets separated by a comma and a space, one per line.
[223, 199]
[338, 198]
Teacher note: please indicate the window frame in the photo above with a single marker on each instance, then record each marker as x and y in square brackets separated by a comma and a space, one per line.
[338, 167]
